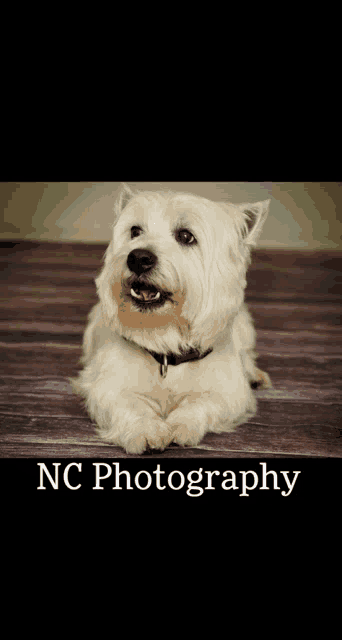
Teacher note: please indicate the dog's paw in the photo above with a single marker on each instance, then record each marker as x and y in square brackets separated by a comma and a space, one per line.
[192, 419]
[152, 433]
[261, 380]
[186, 435]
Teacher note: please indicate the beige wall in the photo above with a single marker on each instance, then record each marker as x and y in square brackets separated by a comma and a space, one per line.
[306, 215]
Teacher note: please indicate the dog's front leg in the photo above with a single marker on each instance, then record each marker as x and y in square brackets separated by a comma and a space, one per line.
[199, 413]
[131, 421]
[193, 417]
[124, 417]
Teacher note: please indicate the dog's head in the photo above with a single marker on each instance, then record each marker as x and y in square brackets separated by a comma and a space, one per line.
[175, 270]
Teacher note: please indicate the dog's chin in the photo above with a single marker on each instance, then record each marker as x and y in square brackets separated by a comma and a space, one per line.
[149, 314]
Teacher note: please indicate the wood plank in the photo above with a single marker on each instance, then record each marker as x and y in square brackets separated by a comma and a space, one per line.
[45, 450]
[38, 359]
[58, 253]
[281, 429]
[22, 330]
[293, 316]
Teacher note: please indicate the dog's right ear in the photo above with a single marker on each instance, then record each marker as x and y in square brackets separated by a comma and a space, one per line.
[126, 194]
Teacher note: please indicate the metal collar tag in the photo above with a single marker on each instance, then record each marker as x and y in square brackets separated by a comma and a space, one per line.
[163, 366]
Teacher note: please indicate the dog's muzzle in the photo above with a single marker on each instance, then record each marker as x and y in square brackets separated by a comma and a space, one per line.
[141, 262]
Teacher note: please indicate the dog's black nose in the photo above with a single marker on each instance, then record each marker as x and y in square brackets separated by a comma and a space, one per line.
[141, 260]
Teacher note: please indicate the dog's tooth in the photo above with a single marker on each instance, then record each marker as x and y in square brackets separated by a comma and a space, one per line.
[157, 296]
[135, 295]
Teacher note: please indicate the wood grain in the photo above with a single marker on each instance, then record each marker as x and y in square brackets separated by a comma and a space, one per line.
[47, 291]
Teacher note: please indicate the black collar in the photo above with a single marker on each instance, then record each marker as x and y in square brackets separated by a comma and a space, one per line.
[174, 359]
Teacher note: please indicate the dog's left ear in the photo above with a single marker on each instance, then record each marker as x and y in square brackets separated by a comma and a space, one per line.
[254, 216]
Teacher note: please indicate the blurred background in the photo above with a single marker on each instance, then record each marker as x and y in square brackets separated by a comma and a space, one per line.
[303, 215]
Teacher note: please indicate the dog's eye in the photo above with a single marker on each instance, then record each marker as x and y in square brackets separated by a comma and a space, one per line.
[135, 232]
[183, 236]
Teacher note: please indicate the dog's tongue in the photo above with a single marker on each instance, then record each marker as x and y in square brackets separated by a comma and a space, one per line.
[149, 295]
[145, 294]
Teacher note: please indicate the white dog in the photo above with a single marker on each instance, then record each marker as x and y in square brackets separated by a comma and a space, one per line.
[168, 350]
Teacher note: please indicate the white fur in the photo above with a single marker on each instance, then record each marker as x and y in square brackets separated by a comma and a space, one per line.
[125, 394]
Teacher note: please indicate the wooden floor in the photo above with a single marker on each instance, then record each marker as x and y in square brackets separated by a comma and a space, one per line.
[47, 291]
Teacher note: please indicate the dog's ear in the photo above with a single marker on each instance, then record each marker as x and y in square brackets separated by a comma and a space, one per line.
[254, 216]
[126, 194]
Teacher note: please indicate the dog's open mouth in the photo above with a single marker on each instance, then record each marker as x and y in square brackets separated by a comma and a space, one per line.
[147, 294]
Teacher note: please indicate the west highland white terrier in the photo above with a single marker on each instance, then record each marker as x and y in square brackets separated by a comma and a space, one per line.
[168, 352]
